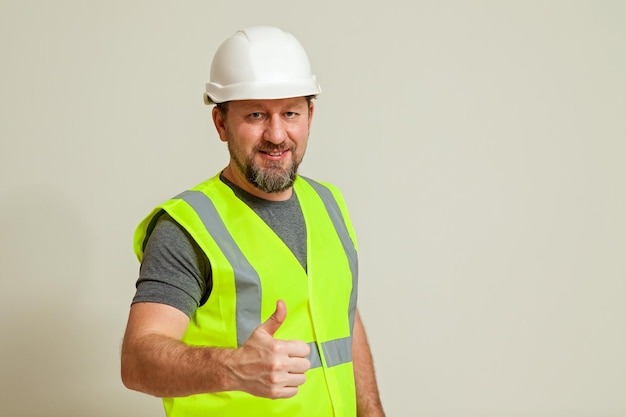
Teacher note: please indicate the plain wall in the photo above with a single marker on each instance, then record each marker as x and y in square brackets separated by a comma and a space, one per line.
[480, 146]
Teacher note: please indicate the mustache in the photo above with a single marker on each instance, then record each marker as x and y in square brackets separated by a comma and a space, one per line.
[272, 147]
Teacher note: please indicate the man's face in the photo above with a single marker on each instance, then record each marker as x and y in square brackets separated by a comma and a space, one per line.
[266, 140]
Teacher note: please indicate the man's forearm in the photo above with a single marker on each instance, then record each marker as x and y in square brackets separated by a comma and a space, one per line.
[155, 360]
[367, 395]
[166, 367]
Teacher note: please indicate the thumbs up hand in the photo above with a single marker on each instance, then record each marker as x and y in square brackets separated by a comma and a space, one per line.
[269, 367]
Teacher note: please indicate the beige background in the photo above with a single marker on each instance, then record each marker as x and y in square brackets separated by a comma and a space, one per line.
[480, 146]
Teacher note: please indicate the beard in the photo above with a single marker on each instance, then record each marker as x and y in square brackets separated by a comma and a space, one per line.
[270, 178]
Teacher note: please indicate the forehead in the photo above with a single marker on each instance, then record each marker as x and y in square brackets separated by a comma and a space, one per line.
[267, 105]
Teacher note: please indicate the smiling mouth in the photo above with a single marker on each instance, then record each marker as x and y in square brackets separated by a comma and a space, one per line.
[275, 153]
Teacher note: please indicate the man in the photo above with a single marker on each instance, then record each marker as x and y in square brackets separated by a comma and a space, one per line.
[246, 299]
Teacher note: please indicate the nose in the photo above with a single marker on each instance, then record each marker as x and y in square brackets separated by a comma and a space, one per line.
[275, 131]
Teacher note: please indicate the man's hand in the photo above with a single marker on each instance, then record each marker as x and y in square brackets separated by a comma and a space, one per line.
[269, 367]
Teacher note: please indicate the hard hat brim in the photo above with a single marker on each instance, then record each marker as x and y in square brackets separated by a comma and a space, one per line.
[216, 94]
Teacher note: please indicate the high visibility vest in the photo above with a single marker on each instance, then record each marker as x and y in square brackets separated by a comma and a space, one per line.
[252, 268]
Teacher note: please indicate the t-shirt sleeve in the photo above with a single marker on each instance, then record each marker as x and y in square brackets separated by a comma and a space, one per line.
[174, 270]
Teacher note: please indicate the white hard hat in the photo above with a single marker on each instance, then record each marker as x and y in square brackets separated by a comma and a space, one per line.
[260, 62]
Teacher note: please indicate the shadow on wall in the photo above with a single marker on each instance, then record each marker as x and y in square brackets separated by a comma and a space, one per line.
[46, 348]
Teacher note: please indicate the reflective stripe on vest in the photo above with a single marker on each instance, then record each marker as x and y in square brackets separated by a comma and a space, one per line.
[247, 281]
[340, 226]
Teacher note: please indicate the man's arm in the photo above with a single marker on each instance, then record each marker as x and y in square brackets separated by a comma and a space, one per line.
[155, 360]
[367, 396]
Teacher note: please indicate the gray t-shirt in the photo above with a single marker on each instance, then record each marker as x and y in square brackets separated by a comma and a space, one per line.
[176, 272]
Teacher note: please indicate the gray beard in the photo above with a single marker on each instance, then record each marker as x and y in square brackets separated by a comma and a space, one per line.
[271, 179]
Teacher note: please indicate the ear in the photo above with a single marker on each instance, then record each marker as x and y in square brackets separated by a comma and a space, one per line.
[220, 123]
[311, 111]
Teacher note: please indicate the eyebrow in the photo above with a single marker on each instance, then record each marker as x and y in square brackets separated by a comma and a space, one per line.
[261, 108]
[262, 103]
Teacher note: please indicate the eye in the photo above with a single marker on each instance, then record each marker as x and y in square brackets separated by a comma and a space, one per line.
[290, 114]
[255, 115]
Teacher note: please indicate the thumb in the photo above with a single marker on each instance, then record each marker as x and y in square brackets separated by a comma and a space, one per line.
[272, 324]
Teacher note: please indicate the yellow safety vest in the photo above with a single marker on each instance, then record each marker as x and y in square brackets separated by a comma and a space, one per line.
[252, 268]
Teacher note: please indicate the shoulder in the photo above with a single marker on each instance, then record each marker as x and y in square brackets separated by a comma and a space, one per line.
[316, 184]
[324, 189]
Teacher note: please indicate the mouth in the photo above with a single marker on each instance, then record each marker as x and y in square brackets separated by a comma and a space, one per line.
[274, 154]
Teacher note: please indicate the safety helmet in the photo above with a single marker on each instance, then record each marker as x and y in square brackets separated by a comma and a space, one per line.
[260, 62]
